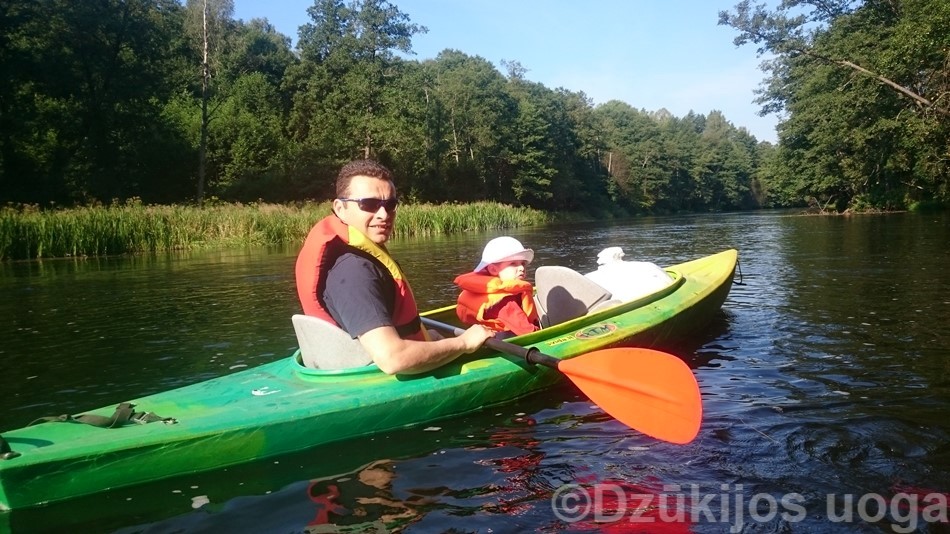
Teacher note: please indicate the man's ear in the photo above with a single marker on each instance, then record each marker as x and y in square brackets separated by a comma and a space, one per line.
[337, 207]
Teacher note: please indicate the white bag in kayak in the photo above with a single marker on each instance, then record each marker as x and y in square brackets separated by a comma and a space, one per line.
[628, 280]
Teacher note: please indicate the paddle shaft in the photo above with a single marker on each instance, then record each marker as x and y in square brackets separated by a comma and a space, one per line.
[530, 354]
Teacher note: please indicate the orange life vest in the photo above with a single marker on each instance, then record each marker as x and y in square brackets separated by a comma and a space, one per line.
[480, 292]
[328, 240]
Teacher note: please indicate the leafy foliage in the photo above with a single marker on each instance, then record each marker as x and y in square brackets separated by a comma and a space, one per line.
[117, 99]
[865, 86]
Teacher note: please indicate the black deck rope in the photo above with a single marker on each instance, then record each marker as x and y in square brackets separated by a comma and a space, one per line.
[739, 268]
[6, 452]
[124, 414]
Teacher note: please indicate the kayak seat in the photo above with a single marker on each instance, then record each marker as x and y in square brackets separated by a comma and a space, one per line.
[326, 346]
[564, 294]
[604, 305]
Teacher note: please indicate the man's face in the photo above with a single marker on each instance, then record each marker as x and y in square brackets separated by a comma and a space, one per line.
[376, 225]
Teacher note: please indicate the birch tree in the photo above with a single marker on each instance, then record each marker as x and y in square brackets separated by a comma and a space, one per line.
[207, 24]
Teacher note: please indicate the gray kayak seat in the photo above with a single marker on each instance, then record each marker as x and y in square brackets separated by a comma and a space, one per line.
[564, 294]
[326, 346]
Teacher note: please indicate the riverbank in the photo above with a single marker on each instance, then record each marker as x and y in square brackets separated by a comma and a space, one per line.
[27, 232]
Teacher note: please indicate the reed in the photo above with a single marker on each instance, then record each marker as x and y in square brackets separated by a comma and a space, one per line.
[27, 232]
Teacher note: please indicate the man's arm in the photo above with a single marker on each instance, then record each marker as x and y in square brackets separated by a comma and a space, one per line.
[356, 294]
[396, 355]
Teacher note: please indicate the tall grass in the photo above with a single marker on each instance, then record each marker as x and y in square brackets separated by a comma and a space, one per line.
[429, 219]
[27, 232]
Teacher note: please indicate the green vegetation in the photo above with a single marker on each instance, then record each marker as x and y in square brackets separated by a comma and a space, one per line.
[175, 102]
[866, 88]
[131, 227]
[142, 111]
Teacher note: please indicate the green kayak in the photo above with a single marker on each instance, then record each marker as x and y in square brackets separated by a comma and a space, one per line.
[282, 407]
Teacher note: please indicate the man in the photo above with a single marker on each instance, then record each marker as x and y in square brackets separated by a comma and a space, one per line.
[346, 276]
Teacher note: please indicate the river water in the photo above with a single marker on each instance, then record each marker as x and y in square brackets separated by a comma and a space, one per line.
[825, 382]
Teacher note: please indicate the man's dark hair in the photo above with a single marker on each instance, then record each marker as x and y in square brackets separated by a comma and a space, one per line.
[360, 167]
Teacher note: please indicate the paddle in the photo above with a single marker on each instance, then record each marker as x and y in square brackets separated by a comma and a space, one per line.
[647, 390]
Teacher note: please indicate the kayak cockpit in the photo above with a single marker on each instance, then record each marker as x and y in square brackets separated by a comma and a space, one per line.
[309, 373]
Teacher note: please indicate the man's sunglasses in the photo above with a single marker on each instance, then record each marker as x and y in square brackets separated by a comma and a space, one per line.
[372, 205]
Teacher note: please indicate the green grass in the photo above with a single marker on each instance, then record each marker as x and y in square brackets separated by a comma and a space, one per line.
[26, 232]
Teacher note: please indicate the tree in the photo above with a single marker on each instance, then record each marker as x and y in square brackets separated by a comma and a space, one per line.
[151, 98]
[256, 47]
[779, 33]
[348, 67]
[865, 86]
[723, 166]
[82, 106]
[207, 23]
[472, 116]
[636, 154]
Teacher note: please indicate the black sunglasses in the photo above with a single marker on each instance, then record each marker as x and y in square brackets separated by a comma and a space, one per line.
[372, 205]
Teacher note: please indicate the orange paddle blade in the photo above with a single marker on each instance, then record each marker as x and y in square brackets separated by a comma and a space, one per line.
[647, 390]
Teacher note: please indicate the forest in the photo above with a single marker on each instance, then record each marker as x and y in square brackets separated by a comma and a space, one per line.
[168, 102]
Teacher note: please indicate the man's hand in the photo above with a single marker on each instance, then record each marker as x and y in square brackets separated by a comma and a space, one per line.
[475, 337]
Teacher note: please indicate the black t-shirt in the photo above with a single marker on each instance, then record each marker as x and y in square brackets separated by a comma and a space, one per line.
[360, 293]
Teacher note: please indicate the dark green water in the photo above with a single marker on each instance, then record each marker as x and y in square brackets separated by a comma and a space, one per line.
[825, 384]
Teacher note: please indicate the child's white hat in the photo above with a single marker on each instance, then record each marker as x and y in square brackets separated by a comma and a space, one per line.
[504, 249]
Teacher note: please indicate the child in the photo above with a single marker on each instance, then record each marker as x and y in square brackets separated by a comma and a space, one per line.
[496, 293]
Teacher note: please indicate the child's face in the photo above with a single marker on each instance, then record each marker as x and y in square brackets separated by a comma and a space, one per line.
[508, 270]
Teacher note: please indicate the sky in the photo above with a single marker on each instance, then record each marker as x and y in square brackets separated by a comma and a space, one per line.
[651, 54]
